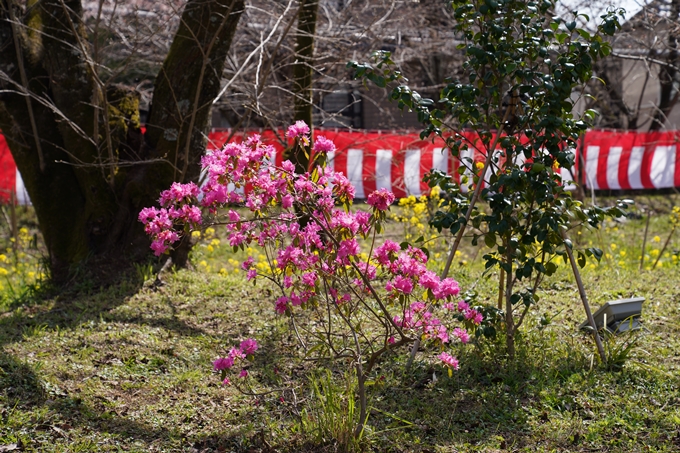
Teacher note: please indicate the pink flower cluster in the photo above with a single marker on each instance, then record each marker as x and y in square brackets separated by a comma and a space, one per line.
[317, 253]
[448, 360]
[246, 348]
[177, 208]
[381, 199]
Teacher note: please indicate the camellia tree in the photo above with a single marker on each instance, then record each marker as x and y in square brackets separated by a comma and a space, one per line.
[524, 68]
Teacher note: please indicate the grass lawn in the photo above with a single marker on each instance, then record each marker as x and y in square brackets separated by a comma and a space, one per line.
[128, 368]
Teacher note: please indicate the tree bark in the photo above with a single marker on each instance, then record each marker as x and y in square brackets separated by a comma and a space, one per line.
[303, 73]
[668, 74]
[91, 188]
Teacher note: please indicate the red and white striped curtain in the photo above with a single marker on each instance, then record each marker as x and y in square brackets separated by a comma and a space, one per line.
[398, 161]
[631, 160]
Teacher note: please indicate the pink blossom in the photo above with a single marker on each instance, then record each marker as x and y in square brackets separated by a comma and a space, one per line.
[462, 306]
[402, 284]
[223, 363]
[178, 193]
[342, 187]
[248, 346]
[147, 214]
[226, 381]
[236, 353]
[236, 239]
[391, 340]
[243, 373]
[299, 129]
[478, 318]
[368, 270]
[448, 360]
[252, 273]
[429, 280]
[348, 247]
[380, 199]
[286, 201]
[441, 333]
[384, 252]
[248, 263]
[447, 288]
[462, 335]
[234, 216]
[158, 247]
[309, 278]
[323, 145]
[281, 305]
[473, 315]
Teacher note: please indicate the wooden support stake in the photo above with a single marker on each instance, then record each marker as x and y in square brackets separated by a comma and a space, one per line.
[644, 241]
[584, 299]
[13, 219]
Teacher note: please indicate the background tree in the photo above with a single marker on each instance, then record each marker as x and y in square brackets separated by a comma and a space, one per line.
[79, 79]
[637, 85]
[75, 133]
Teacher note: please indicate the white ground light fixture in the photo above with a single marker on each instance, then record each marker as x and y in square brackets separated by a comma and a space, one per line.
[618, 315]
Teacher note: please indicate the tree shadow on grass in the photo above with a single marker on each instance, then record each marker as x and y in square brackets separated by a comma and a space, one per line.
[71, 309]
[67, 416]
[489, 403]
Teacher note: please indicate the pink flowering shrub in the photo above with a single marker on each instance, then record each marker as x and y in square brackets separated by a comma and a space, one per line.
[236, 355]
[366, 303]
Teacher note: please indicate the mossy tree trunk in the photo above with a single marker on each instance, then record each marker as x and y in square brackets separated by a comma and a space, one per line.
[88, 169]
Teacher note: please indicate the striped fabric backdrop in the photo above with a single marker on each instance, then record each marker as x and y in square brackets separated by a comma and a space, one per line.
[398, 162]
[631, 160]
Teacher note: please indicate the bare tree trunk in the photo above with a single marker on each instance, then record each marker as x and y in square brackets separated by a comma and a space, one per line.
[668, 73]
[303, 73]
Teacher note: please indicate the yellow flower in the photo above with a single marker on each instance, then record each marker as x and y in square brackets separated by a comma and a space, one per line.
[654, 252]
[222, 271]
[203, 263]
[215, 242]
[479, 165]
[656, 239]
[196, 234]
[210, 248]
[209, 231]
[3, 271]
[622, 253]
[3, 258]
[612, 246]
[622, 263]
